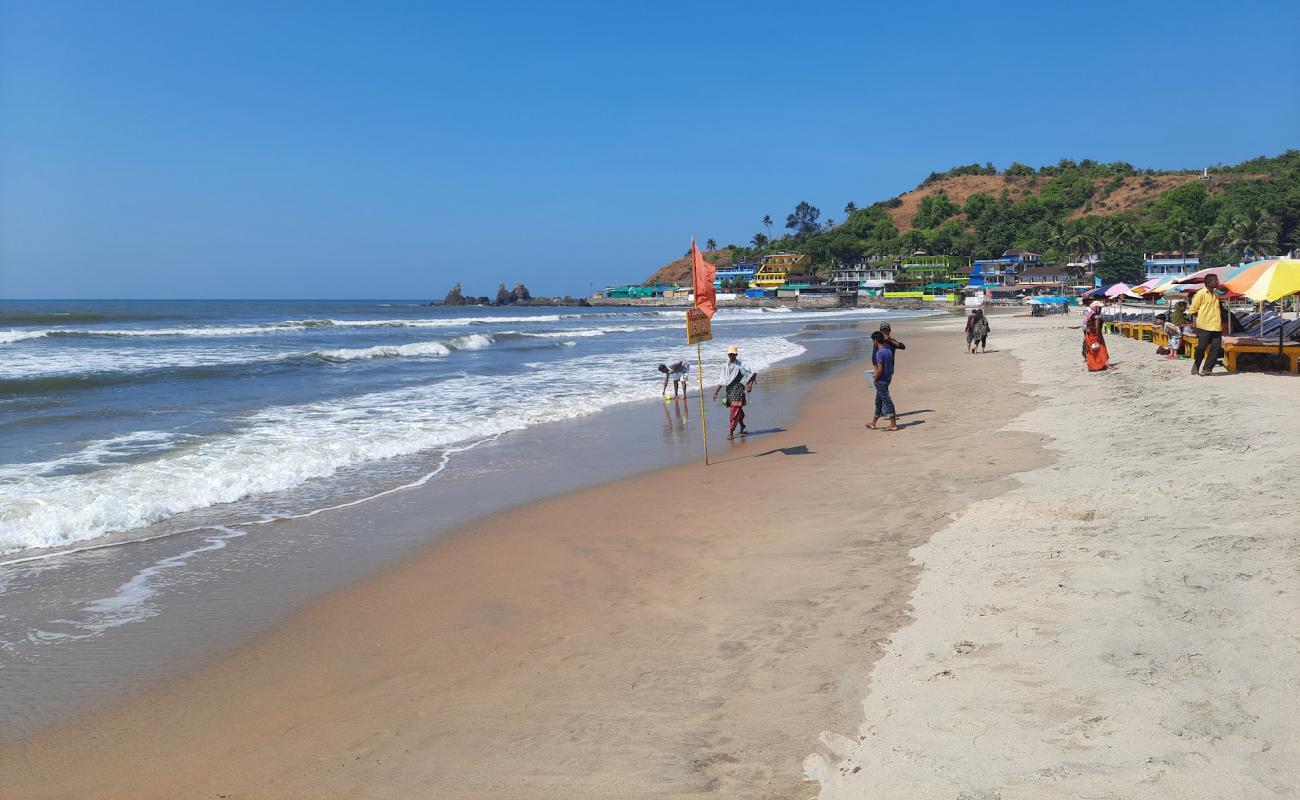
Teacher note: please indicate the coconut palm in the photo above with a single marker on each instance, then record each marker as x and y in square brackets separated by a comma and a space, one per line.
[1254, 233]
[759, 240]
[1060, 238]
[849, 208]
[1182, 237]
[711, 245]
[767, 221]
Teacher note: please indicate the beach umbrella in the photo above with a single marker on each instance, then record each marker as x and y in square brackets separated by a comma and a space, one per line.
[1117, 290]
[1165, 285]
[1267, 281]
[1144, 287]
[1199, 276]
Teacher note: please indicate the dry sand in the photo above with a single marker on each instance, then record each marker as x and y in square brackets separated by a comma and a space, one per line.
[1125, 623]
[685, 633]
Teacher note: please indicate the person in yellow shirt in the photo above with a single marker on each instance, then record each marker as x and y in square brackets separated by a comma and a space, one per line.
[1208, 315]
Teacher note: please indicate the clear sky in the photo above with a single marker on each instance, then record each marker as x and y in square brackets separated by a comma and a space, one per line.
[386, 149]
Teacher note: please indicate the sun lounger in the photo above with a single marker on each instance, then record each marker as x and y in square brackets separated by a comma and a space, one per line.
[1234, 346]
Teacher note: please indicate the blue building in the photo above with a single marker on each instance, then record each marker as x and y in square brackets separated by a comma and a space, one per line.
[1165, 265]
[734, 273]
[990, 273]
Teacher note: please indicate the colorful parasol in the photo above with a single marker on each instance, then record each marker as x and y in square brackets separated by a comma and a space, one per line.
[1267, 281]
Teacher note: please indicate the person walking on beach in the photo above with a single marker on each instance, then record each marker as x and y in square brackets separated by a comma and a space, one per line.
[677, 374]
[1208, 314]
[977, 330]
[738, 380]
[1095, 354]
[889, 341]
[882, 372]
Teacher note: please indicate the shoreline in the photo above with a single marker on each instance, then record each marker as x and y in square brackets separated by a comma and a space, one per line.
[179, 601]
[523, 588]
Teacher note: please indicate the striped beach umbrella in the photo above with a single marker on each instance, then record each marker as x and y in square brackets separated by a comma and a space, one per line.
[1266, 281]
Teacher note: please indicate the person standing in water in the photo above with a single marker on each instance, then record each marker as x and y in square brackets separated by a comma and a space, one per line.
[738, 380]
[676, 373]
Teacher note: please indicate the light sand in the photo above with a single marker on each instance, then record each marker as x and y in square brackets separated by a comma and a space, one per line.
[685, 633]
[1125, 622]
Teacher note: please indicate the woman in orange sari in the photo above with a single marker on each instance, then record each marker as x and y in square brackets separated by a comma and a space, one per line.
[1094, 343]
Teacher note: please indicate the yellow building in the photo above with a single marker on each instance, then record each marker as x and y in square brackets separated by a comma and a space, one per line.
[779, 269]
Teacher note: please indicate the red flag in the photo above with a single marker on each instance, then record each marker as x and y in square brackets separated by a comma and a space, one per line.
[702, 272]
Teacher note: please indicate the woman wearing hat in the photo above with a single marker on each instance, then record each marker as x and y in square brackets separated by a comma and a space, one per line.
[737, 379]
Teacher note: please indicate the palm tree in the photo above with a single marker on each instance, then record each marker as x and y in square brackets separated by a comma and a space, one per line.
[1060, 239]
[710, 245]
[1182, 237]
[767, 221]
[849, 208]
[759, 240]
[1118, 235]
[1253, 232]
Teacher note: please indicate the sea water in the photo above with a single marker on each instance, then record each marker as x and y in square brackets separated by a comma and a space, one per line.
[145, 445]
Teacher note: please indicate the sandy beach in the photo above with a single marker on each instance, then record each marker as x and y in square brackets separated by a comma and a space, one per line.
[685, 632]
[1048, 584]
[1122, 623]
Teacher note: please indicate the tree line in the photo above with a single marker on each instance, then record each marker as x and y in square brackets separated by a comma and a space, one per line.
[1228, 218]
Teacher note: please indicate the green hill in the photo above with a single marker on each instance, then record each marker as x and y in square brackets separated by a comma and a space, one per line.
[1060, 211]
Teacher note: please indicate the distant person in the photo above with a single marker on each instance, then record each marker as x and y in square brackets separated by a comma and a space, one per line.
[1207, 313]
[882, 373]
[1095, 354]
[889, 341]
[738, 380]
[977, 330]
[676, 373]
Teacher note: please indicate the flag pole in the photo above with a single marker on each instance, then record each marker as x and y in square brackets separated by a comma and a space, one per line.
[699, 359]
[704, 425]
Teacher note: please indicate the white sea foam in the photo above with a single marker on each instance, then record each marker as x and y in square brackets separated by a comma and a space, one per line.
[283, 447]
[8, 337]
[473, 341]
[96, 454]
[287, 326]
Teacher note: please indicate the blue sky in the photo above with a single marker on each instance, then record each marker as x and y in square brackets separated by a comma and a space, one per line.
[318, 149]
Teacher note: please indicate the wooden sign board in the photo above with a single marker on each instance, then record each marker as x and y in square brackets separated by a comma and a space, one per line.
[698, 327]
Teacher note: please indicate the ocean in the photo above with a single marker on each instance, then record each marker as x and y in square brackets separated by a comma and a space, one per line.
[154, 451]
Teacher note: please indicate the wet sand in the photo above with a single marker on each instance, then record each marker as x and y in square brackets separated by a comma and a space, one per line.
[682, 633]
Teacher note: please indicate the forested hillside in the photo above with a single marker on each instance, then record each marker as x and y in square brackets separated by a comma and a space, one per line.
[1059, 211]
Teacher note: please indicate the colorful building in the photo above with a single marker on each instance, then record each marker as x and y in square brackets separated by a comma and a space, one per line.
[736, 272]
[779, 269]
[991, 273]
[915, 271]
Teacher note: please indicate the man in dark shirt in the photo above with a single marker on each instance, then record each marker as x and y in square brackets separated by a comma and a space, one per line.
[881, 375]
[887, 340]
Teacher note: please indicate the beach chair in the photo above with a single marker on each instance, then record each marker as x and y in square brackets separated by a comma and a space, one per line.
[1234, 346]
